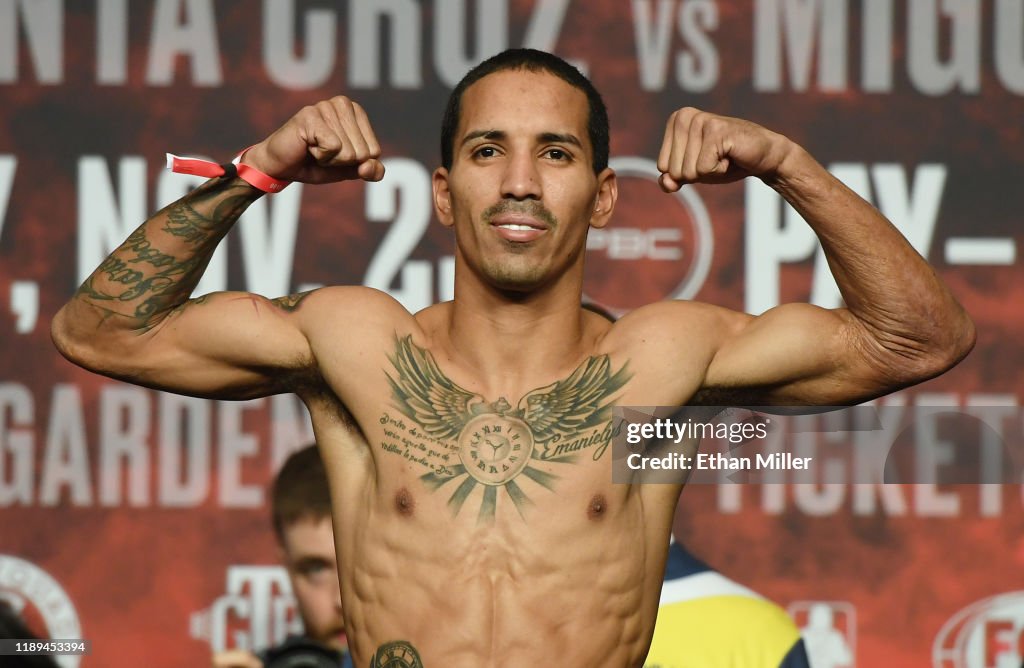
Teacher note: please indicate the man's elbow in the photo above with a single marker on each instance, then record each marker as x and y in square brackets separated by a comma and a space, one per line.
[961, 341]
[84, 346]
[71, 344]
[947, 346]
[906, 359]
[59, 333]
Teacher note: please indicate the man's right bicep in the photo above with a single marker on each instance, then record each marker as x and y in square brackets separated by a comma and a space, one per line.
[227, 345]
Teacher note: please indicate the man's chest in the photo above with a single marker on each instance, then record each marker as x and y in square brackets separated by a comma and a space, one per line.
[425, 432]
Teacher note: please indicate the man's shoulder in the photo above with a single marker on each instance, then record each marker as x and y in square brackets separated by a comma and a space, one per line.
[334, 296]
[667, 347]
[346, 311]
[351, 332]
[672, 322]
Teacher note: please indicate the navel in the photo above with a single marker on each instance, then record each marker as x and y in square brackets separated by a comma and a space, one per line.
[404, 503]
[597, 507]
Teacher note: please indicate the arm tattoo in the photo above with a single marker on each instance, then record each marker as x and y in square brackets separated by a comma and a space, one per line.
[191, 302]
[145, 282]
[479, 446]
[290, 302]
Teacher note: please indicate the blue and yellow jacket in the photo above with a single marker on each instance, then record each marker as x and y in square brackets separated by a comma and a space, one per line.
[705, 620]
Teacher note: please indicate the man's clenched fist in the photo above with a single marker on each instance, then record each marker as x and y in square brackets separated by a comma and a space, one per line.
[329, 141]
[700, 147]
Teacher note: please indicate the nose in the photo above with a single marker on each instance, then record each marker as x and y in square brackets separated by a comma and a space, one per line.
[521, 179]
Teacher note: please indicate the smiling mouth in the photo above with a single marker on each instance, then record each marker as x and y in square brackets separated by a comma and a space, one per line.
[519, 223]
[518, 227]
[519, 231]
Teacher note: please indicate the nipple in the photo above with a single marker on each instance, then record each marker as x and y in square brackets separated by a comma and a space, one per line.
[404, 502]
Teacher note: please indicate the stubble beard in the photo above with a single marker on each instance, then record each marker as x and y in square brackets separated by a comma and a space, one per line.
[514, 270]
[514, 274]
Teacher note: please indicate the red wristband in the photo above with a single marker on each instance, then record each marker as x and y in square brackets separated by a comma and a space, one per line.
[209, 169]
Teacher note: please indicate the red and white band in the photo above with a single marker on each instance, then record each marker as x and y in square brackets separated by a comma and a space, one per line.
[210, 169]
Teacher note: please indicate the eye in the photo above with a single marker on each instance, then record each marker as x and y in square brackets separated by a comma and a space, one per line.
[313, 569]
[557, 154]
[485, 152]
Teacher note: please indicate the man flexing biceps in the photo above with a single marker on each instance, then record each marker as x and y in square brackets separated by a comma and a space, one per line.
[475, 518]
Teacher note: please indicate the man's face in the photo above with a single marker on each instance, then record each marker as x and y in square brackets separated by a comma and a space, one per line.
[521, 192]
[308, 554]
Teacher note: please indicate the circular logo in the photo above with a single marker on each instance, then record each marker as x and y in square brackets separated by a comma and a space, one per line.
[32, 592]
[989, 632]
[495, 448]
[659, 247]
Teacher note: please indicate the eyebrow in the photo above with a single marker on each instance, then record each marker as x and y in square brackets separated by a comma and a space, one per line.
[499, 135]
[486, 134]
[561, 138]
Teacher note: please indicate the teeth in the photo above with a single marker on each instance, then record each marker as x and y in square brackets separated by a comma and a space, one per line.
[518, 228]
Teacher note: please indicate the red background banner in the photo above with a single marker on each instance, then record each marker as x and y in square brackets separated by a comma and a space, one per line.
[139, 505]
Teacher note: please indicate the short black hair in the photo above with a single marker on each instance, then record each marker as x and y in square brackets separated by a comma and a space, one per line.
[530, 60]
[300, 490]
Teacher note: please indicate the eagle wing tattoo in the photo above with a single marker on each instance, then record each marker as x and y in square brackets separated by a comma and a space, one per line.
[428, 397]
[573, 404]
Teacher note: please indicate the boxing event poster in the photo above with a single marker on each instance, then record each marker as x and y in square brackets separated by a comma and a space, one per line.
[138, 520]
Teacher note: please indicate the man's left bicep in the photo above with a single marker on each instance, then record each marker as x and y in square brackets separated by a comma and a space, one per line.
[794, 354]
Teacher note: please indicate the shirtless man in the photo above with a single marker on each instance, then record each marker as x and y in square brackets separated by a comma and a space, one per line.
[463, 539]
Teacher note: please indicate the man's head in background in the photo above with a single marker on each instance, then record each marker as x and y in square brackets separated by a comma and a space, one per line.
[301, 509]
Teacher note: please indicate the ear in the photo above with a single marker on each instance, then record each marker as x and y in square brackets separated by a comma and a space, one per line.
[442, 197]
[607, 195]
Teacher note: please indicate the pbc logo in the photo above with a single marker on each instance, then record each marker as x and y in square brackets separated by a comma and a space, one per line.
[658, 247]
[986, 634]
[257, 611]
[630, 243]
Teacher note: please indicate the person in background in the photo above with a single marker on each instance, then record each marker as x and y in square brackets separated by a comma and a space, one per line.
[705, 619]
[301, 511]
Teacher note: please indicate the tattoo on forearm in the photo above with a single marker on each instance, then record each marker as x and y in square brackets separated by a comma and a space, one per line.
[479, 446]
[145, 252]
[396, 654]
[185, 222]
[156, 282]
[188, 226]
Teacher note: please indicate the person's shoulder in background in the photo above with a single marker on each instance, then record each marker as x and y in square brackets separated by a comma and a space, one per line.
[705, 619]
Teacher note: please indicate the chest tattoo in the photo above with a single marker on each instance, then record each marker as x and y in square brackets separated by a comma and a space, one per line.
[477, 448]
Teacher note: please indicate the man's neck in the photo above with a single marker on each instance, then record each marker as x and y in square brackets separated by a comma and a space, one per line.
[515, 343]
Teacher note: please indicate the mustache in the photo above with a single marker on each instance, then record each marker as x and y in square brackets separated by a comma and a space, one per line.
[530, 207]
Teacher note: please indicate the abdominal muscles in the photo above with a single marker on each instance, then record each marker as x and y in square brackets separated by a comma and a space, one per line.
[572, 583]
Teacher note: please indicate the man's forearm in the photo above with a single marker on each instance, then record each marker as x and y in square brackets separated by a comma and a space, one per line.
[886, 284]
[160, 264]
